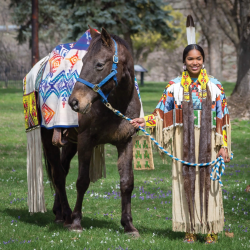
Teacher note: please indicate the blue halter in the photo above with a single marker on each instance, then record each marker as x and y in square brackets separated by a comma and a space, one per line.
[97, 87]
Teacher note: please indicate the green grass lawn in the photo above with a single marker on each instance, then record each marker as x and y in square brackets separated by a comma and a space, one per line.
[151, 200]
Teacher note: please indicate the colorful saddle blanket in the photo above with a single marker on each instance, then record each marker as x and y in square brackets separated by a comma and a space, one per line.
[59, 77]
[55, 79]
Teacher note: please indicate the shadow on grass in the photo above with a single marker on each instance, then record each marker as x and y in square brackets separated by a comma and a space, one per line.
[47, 219]
[162, 232]
[39, 219]
[88, 223]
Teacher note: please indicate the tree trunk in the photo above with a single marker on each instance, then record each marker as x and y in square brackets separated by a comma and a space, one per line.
[214, 44]
[242, 86]
[214, 54]
[35, 48]
[208, 22]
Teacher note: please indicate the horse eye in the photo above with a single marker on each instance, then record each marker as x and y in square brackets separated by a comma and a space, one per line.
[99, 66]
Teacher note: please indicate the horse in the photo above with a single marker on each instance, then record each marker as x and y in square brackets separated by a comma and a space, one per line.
[97, 125]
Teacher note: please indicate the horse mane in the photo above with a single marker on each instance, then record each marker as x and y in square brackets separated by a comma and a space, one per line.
[121, 41]
[96, 43]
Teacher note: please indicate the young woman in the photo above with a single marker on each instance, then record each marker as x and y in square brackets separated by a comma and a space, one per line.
[192, 115]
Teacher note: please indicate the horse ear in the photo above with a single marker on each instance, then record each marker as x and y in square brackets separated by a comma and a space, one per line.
[106, 38]
[93, 33]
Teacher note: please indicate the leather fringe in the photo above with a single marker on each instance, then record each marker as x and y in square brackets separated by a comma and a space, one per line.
[218, 140]
[36, 201]
[215, 226]
[97, 168]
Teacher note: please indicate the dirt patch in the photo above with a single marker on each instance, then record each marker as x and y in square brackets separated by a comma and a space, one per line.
[239, 107]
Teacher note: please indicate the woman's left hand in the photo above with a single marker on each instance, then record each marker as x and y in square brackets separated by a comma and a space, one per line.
[224, 153]
[138, 122]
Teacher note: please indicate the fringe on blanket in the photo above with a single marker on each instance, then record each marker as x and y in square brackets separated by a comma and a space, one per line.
[97, 168]
[35, 172]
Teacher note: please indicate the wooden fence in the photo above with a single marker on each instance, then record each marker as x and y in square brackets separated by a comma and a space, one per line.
[12, 77]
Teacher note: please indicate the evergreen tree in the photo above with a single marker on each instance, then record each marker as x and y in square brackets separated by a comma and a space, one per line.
[53, 24]
[121, 17]
[69, 19]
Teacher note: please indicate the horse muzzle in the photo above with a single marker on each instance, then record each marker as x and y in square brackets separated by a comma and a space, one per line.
[81, 108]
[74, 104]
[86, 109]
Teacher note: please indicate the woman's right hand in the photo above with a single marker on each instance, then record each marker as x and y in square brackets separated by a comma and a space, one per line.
[138, 122]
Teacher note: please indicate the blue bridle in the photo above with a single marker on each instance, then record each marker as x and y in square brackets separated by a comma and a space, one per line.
[97, 87]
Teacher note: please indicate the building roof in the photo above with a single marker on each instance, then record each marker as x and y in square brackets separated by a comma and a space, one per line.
[139, 68]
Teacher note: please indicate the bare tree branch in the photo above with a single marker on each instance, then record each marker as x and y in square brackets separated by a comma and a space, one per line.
[226, 21]
[200, 15]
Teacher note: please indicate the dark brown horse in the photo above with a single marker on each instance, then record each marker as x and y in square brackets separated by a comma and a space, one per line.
[97, 125]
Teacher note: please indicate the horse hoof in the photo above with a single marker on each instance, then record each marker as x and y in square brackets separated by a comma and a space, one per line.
[77, 229]
[134, 234]
[66, 225]
[59, 221]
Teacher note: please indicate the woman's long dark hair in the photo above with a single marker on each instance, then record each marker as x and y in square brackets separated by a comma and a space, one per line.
[191, 47]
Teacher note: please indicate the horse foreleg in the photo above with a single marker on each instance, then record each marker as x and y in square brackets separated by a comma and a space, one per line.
[68, 152]
[56, 173]
[125, 169]
[82, 184]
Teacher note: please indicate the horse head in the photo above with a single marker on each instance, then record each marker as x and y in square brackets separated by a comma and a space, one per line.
[106, 61]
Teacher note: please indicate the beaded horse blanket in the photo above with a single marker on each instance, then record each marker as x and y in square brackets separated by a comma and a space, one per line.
[54, 79]
[59, 77]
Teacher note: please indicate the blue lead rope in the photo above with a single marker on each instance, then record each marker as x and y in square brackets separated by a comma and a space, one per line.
[219, 161]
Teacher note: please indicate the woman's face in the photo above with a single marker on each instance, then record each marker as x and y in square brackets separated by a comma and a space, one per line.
[194, 61]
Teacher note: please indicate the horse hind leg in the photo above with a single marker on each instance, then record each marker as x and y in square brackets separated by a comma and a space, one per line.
[56, 175]
[67, 153]
[126, 185]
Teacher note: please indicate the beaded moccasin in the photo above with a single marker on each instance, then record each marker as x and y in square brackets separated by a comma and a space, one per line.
[190, 238]
[211, 238]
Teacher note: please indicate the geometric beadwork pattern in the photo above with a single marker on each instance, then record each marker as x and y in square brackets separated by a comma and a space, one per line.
[73, 59]
[47, 113]
[59, 77]
[142, 153]
[55, 61]
[30, 110]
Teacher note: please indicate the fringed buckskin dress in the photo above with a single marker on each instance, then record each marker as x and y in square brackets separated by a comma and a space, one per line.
[197, 205]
